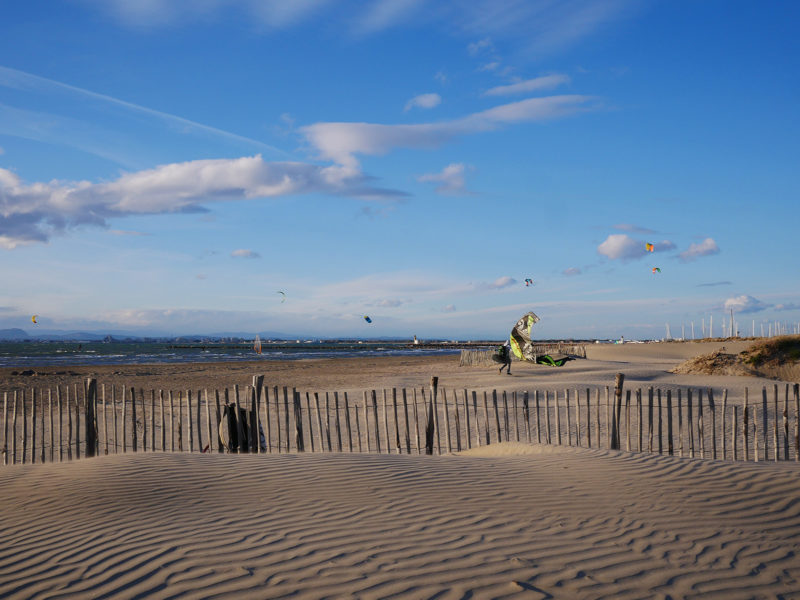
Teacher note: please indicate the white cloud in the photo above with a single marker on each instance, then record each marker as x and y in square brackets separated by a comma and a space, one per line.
[623, 247]
[450, 179]
[340, 142]
[423, 101]
[620, 246]
[745, 304]
[571, 271]
[383, 14]
[546, 82]
[502, 282]
[388, 303]
[705, 248]
[124, 232]
[243, 253]
[34, 212]
[449, 308]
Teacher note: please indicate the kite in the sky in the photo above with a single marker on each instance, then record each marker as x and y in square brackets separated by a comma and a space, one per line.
[528, 282]
[367, 319]
[656, 269]
[34, 317]
[283, 296]
[649, 247]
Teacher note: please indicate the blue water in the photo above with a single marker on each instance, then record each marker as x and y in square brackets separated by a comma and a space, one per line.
[31, 354]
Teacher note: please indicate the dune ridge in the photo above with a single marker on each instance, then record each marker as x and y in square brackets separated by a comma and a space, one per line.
[519, 521]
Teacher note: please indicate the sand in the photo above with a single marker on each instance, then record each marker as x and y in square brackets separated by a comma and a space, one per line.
[505, 521]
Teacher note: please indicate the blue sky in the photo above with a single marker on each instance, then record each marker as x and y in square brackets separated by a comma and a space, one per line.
[167, 167]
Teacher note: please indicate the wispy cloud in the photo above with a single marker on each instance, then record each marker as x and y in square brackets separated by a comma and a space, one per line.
[341, 142]
[745, 304]
[630, 227]
[501, 282]
[547, 82]
[787, 306]
[449, 308]
[705, 248]
[423, 101]
[67, 128]
[714, 284]
[450, 180]
[383, 14]
[34, 212]
[244, 253]
[124, 232]
[572, 271]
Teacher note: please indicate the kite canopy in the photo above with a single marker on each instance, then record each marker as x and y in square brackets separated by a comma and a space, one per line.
[656, 270]
[367, 319]
[34, 317]
[520, 338]
[649, 247]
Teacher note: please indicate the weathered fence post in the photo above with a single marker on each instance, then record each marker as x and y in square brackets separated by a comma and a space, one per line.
[358, 428]
[408, 432]
[458, 420]
[33, 428]
[660, 425]
[14, 431]
[711, 407]
[650, 419]
[701, 433]
[496, 415]
[89, 415]
[670, 444]
[152, 420]
[734, 431]
[765, 410]
[797, 421]
[416, 419]
[396, 421]
[538, 417]
[486, 417]
[467, 421]
[569, 420]
[105, 419]
[744, 426]
[558, 416]
[689, 425]
[588, 420]
[374, 396]
[775, 428]
[338, 420]
[319, 422]
[724, 412]
[298, 422]
[172, 421]
[348, 424]
[134, 436]
[430, 424]
[384, 412]
[366, 422]
[286, 416]
[627, 420]
[680, 422]
[124, 430]
[5, 428]
[786, 424]
[505, 415]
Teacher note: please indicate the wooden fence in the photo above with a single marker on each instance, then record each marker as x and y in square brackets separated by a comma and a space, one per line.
[73, 422]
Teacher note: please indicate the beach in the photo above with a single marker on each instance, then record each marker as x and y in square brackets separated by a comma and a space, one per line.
[507, 520]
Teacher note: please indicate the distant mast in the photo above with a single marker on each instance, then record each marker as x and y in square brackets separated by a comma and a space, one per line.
[257, 344]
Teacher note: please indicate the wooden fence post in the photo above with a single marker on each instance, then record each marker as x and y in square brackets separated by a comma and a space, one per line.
[90, 418]
[680, 422]
[5, 428]
[486, 417]
[785, 415]
[348, 424]
[588, 420]
[298, 422]
[124, 430]
[701, 433]
[384, 412]
[558, 417]
[458, 420]
[374, 397]
[724, 413]
[628, 420]
[172, 420]
[14, 432]
[734, 431]
[134, 441]
[660, 425]
[286, 416]
[689, 425]
[358, 427]
[366, 420]
[319, 423]
[430, 421]
[152, 420]
[775, 424]
[408, 432]
[711, 408]
[797, 421]
[538, 417]
[766, 421]
[744, 426]
[670, 444]
[77, 422]
[569, 423]
[338, 420]
[467, 421]
[496, 415]
[396, 421]
[416, 419]
[650, 419]
[505, 415]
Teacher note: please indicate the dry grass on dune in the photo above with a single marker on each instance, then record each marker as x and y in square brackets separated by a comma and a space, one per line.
[506, 521]
[777, 358]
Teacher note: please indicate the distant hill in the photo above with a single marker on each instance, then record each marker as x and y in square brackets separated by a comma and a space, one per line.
[14, 334]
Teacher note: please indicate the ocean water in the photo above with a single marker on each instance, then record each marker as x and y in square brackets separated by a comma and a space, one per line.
[32, 354]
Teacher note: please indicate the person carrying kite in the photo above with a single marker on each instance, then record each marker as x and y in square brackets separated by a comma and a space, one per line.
[503, 355]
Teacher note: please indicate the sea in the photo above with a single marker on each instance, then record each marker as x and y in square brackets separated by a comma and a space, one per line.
[40, 353]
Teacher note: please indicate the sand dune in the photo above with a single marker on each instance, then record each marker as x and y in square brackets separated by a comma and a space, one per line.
[502, 522]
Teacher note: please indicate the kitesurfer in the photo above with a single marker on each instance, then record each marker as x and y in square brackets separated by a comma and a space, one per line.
[504, 356]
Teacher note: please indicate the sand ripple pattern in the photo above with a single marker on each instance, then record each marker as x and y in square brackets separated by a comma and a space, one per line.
[552, 523]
